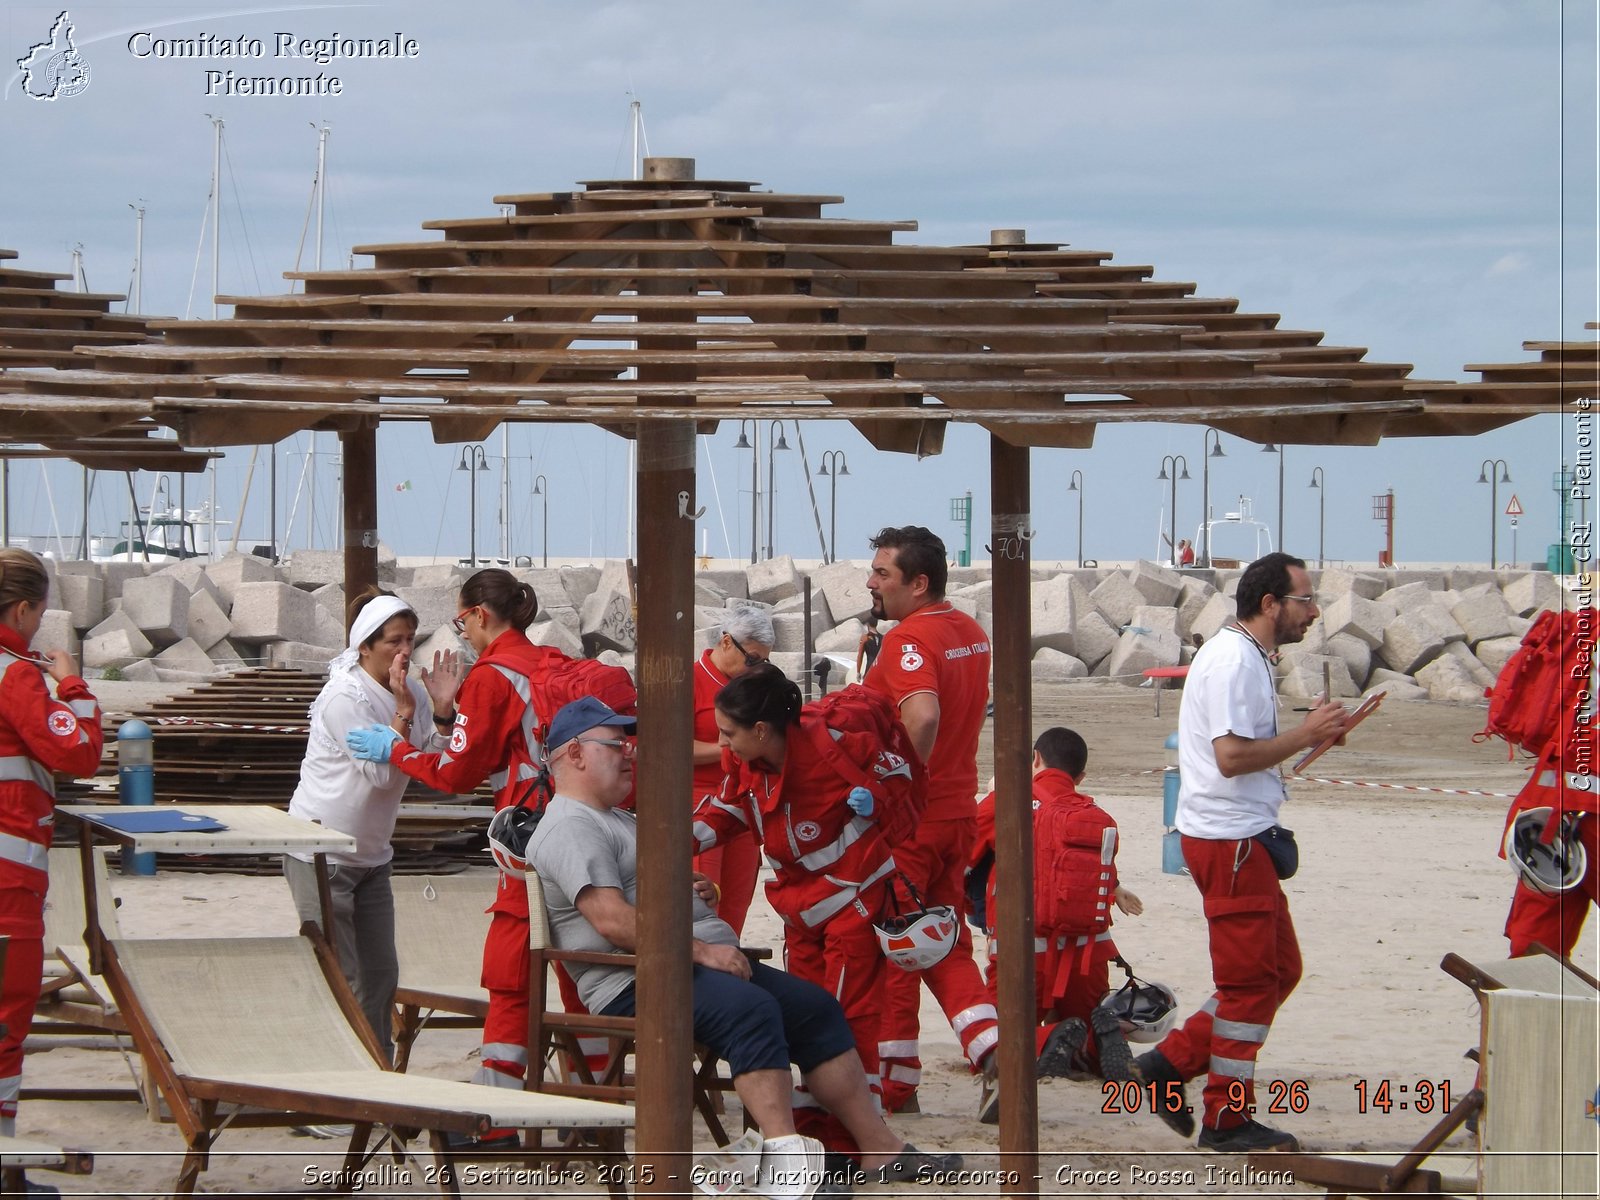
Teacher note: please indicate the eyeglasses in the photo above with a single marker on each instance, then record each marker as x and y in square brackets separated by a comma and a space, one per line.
[459, 621]
[1302, 599]
[750, 660]
[628, 748]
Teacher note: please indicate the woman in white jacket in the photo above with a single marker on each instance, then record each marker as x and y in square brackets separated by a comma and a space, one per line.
[367, 684]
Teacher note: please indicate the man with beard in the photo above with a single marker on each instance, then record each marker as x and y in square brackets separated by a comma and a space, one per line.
[1229, 751]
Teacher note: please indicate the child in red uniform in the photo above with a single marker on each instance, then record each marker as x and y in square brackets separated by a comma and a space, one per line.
[1072, 970]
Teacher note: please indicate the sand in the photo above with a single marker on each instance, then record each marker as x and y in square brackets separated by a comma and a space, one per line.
[1391, 880]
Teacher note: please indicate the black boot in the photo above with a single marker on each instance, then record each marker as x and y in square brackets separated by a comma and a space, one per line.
[1116, 1060]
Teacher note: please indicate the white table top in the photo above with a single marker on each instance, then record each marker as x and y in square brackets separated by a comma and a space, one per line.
[251, 829]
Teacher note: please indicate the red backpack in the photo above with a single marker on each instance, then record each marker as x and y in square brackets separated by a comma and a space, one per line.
[559, 681]
[1535, 700]
[1074, 876]
[854, 726]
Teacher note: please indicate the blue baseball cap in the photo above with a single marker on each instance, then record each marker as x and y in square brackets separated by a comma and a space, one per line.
[580, 716]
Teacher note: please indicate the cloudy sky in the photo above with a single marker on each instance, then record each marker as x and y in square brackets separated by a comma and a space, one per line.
[1413, 176]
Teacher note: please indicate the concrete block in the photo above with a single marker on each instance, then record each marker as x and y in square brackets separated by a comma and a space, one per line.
[116, 574]
[821, 616]
[1481, 675]
[1352, 615]
[1116, 598]
[208, 624]
[845, 586]
[844, 638]
[606, 616]
[1494, 653]
[327, 629]
[140, 671]
[1410, 595]
[186, 657]
[159, 606]
[554, 633]
[1397, 687]
[955, 577]
[1052, 666]
[1409, 641]
[57, 632]
[1156, 617]
[708, 595]
[1056, 605]
[298, 656]
[1357, 656]
[1304, 678]
[580, 583]
[1533, 592]
[1482, 614]
[236, 569]
[982, 597]
[191, 573]
[1311, 645]
[790, 629]
[440, 575]
[1463, 578]
[115, 642]
[1136, 653]
[442, 641]
[273, 612]
[1448, 677]
[311, 569]
[1193, 596]
[1158, 585]
[547, 585]
[732, 584]
[1443, 623]
[1216, 612]
[1400, 576]
[773, 579]
[434, 606]
[1093, 639]
[388, 567]
[84, 597]
[1336, 581]
[794, 667]
[225, 657]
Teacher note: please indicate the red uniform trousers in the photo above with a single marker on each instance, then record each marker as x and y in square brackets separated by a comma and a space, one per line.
[504, 1060]
[936, 862]
[21, 911]
[842, 956]
[1255, 964]
[1556, 921]
[733, 867]
[1084, 990]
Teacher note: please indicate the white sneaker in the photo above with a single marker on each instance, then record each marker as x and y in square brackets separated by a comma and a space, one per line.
[792, 1168]
[732, 1170]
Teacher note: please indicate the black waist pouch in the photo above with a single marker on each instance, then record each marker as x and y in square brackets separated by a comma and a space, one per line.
[1281, 847]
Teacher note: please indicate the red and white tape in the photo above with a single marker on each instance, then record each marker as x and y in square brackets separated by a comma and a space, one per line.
[195, 723]
[1405, 787]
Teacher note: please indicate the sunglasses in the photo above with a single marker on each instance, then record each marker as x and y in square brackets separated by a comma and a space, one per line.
[628, 748]
[750, 660]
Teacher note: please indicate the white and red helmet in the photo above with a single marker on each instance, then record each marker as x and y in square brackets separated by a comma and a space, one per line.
[1549, 868]
[1147, 1010]
[509, 831]
[917, 940]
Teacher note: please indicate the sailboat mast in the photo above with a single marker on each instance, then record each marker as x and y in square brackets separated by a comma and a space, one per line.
[505, 491]
[216, 213]
[322, 185]
[138, 257]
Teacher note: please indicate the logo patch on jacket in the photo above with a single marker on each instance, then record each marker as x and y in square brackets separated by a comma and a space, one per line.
[910, 657]
[62, 723]
[808, 831]
[458, 739]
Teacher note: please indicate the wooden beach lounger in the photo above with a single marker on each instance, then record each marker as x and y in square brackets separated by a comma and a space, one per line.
[265, 1032]
[440, 924]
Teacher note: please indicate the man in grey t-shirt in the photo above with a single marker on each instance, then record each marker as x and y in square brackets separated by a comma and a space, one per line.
[758, 1019]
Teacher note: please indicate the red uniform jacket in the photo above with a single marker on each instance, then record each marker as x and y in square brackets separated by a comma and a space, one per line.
[38, 737]
[824, 856]
[494, 730]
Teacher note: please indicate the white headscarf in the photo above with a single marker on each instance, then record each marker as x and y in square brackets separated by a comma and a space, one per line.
[344, 668]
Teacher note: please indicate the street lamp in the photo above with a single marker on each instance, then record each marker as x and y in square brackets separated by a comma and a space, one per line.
[1277, 449]
[539, 483]
[473, 460]
[752, 444]
[1205, 490]
[1319, 482]
[1486, 475]
[772, 483]
[1177, 462]
[1075, 484]
[840, 468]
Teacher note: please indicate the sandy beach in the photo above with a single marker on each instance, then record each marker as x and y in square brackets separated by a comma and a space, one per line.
[1391, 880]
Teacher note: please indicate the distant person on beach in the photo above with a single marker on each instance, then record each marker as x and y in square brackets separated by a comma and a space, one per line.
[746, 642]
[867, 648]
[39, 736]
[1185, 553]
[367, 685]
[1229, 751]
[1072, 913]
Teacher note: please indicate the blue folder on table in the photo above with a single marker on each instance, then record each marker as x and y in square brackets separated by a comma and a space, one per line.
[158, 820]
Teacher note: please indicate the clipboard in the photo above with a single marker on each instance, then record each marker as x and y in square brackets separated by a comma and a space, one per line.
[1364, 710]
[159, 820]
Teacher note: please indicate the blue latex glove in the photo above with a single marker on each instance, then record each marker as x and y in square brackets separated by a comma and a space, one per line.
[860, 801]
[372, 743]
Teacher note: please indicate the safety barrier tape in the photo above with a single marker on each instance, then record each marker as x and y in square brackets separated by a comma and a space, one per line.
[196, 723]
[1367, 783]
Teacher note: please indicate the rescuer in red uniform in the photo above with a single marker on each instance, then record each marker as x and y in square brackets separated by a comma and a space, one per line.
[39, 736]
[934, 665]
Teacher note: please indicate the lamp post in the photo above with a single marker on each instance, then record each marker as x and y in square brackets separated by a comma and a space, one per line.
[1205, 490]
[540, 484]
[1319, 482]
[772, 484]
[473, 460]
[840, 467]
[1075, 484]
[752, 444]
[1177, 462]
[1486, 475]
[1271, 448]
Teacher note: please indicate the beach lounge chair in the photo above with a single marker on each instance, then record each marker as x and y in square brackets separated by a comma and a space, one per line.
[266, 1032]
[1537, 1133]
[562, 1033]
[440, 925]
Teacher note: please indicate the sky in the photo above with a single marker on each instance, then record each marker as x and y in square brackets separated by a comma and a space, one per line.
[1417, 177]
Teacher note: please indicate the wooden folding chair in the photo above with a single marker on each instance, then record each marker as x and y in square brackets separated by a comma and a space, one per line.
[271, 1026]
[440, 924]
[556, 1031]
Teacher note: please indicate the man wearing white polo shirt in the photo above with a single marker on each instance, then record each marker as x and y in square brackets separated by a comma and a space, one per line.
[1229, 756]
